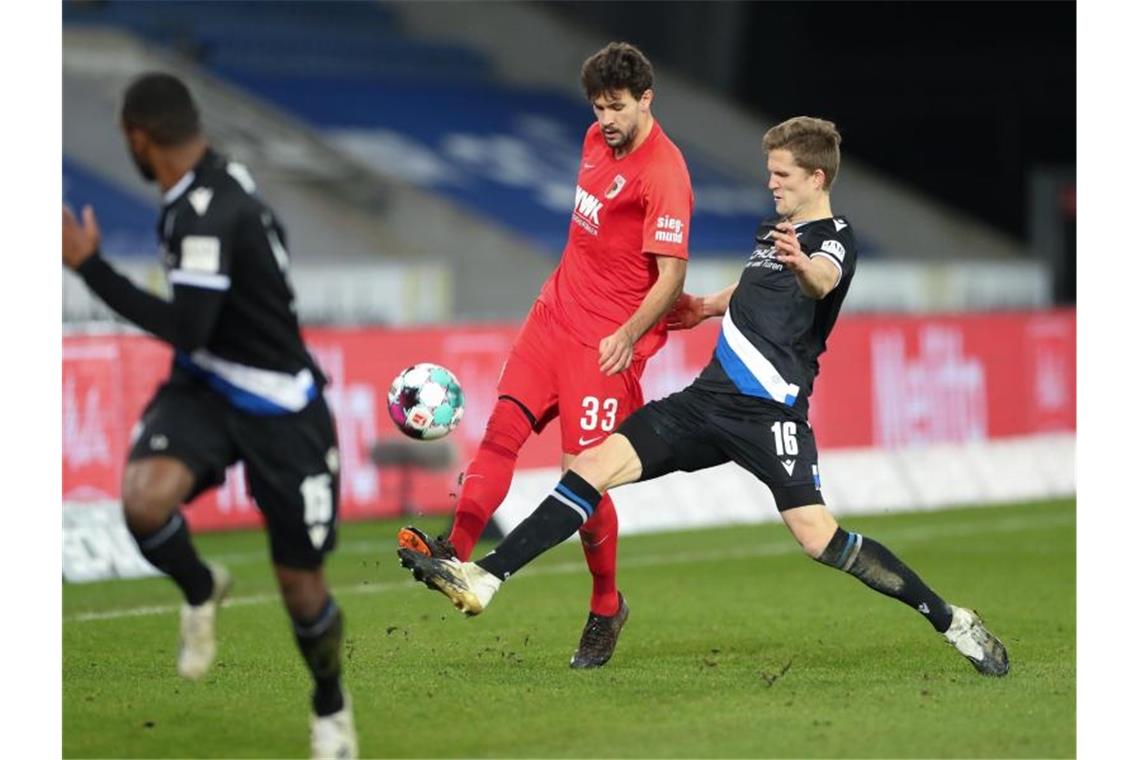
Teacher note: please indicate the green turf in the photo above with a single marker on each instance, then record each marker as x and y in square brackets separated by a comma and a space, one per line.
[717, 616]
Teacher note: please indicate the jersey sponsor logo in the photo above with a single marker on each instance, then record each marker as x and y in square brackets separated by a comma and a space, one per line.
[615, 188]
[583, 441]
[586, 210]
[764, 256]
[839, 224]
[835, 248]
[670, 229]
[201, 253]
[200, 199]
[789, 465]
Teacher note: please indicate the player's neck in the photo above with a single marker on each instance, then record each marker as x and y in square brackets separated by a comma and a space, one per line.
[643, 132]
[174, 163]
[821, 209]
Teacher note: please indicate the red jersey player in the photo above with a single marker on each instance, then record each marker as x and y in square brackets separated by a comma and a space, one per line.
[581, 352]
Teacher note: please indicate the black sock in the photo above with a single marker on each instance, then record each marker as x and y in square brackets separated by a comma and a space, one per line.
[169, 549]
[569, 505]
[876, 566]
[320, 643]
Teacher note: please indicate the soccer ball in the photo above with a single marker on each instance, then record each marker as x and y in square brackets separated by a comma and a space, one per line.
[425, 401]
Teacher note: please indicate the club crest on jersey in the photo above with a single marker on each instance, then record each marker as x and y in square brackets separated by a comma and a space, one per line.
[615, 188]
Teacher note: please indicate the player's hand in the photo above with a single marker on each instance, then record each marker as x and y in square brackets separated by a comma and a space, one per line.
[687, 312]
[80, 241]
[788, 251]
[615, 352]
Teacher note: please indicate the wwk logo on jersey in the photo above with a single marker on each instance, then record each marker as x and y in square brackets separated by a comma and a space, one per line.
[670, 229]
[586, 208]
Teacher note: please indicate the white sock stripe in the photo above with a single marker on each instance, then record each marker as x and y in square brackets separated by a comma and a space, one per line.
[854, 552]
[581, 512]
[322, 623]
[163, 534]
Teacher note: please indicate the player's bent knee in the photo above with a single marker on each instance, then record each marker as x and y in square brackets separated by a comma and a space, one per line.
[813, 526]
[152, 490]
[507, 428]
[304, 592]
[611, 464]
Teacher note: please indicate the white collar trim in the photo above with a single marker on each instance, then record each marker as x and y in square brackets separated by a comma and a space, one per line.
[180, 186]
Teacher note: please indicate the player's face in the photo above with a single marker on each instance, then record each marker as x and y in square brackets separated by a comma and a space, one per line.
[793, 188]
[619, 115]
[137, 147]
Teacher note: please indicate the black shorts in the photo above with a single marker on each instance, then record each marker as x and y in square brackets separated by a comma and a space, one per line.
[694, 429]
[291, 462]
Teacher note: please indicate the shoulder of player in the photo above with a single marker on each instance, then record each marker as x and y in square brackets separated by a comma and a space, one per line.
[218, 197]
[833, 228]
[593, 135]
[666, 164]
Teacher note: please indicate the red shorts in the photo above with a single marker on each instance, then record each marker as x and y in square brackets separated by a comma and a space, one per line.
[553, 375]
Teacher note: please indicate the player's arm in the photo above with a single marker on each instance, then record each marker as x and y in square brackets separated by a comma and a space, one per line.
[81, 254]
[185, 323]
[615, 352]
[689, 311]
[817, 274]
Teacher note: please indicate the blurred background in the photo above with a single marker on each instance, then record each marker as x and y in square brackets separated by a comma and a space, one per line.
[423, 158]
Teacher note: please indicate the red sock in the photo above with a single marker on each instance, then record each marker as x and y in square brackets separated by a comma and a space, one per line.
[488, 477]
[599, 542]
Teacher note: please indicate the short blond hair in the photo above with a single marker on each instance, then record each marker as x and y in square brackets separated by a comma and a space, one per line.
[813, 143]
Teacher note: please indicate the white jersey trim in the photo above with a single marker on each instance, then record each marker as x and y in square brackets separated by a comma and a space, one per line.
[199, 279]
[834, 261]
[179, 187]
[292, 392]
[756, 363]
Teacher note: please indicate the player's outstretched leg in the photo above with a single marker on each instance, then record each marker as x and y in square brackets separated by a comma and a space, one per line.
[608, 608]
[471, 585]
[572, 502]
[318, 627]
[876, 566]
[153, 489]
[485, 485]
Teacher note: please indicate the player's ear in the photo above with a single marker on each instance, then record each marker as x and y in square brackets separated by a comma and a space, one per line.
[646, 99]
[818, 179]
[136, 139]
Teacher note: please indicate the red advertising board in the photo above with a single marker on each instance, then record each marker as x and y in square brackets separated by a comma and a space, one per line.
[885, 382]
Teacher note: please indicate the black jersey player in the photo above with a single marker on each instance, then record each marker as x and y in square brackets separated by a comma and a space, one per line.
[242, 387]
[748, 406]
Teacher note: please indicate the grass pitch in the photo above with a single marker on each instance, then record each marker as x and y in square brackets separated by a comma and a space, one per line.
[737, 646]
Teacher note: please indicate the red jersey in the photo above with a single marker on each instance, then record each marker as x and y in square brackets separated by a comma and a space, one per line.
[626, 212]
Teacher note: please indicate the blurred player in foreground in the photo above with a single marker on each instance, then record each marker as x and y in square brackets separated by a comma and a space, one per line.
[242, 387]
[599, 317]
[749, 406]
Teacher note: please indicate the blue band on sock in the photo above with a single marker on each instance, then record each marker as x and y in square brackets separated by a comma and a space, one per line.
[564, 491]
[162, 535]
[320, 624]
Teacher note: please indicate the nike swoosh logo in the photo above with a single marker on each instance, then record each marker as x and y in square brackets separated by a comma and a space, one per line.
[587, 442]
[588, 166]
